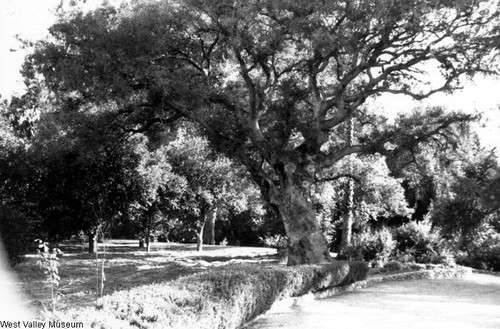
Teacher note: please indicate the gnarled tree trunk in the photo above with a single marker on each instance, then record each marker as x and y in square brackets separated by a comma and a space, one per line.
[307, 244]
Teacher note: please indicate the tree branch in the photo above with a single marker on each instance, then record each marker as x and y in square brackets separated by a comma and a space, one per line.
[334, 157]
[337, 177]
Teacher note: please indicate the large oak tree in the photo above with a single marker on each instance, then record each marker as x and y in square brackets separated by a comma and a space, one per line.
[270, 82]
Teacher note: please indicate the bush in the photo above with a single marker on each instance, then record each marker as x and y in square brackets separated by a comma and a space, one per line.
[393, 266]
[483, 251]
[420, 242]
[371, 246]
[275, 241]
[15, 234]
[222, 298]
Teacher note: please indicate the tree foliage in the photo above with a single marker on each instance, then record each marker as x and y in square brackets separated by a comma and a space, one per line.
[214, 183]
[270, 82]
[469, 202]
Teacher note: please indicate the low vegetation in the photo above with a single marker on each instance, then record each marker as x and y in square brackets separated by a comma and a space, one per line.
[413, 242]
[483, 252]
[225, 287]
[223, 298]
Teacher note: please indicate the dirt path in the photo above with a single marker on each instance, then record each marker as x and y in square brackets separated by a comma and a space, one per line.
[458, 304]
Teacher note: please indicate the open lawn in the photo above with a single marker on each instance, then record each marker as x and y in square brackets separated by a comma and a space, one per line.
[126, 266]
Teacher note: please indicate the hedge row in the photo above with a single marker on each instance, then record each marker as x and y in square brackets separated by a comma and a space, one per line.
[456, 272]
[221, 298]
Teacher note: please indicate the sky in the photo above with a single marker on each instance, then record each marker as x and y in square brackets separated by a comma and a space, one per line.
[30, 19]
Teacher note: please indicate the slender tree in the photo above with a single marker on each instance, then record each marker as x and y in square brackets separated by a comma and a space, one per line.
[348, 214]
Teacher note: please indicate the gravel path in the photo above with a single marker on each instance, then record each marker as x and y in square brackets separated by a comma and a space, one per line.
[459, 304]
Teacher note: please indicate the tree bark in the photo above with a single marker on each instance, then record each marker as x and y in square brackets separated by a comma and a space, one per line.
[347, 218]
[199, 233]
[148, 241]
[306, 242]
[199, 241]
[209, 228]
[460, 242]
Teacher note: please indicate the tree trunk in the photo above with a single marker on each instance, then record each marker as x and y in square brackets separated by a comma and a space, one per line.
[347, 218]
[92, 242]
[148, 240]
[209, 228]
[306, 242]
[460, 242]
[199, 232]
[199, 241]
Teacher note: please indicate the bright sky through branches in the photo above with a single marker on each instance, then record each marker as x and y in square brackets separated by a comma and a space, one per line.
[30, 19]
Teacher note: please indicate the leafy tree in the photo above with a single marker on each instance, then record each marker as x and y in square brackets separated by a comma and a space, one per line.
[160, 191]
[464, 208]
[270, 82]
[426, 165]
[84, 176]
[490, 194]
[449, 176]
[214, 183]
[18, 221]
[376, 194]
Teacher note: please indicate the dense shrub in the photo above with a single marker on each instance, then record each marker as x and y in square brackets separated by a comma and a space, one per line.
[419, 242]
[276, 241]
[412, 242]
[222, 298]
[371, 246]
[483, 252]
[15, 232]
[482, 260]
[393, 266]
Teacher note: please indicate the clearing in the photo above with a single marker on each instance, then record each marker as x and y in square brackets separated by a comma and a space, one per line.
[126, 266]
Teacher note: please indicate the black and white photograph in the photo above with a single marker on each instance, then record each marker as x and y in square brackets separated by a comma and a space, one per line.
[250, 164]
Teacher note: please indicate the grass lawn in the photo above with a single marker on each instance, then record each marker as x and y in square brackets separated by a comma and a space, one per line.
[126, 266]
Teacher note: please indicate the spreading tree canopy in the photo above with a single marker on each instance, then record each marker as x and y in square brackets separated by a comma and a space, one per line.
[269, 82]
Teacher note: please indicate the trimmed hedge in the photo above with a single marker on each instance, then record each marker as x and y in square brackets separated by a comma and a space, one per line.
[435, 273]
[221, 298]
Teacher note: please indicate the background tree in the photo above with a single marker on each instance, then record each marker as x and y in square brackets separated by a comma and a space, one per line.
[377, 196]
[461, 209]
[18, 220]
[214, 182]
[160, 191]
[82, 177]
[427, 165]
[270, 82]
